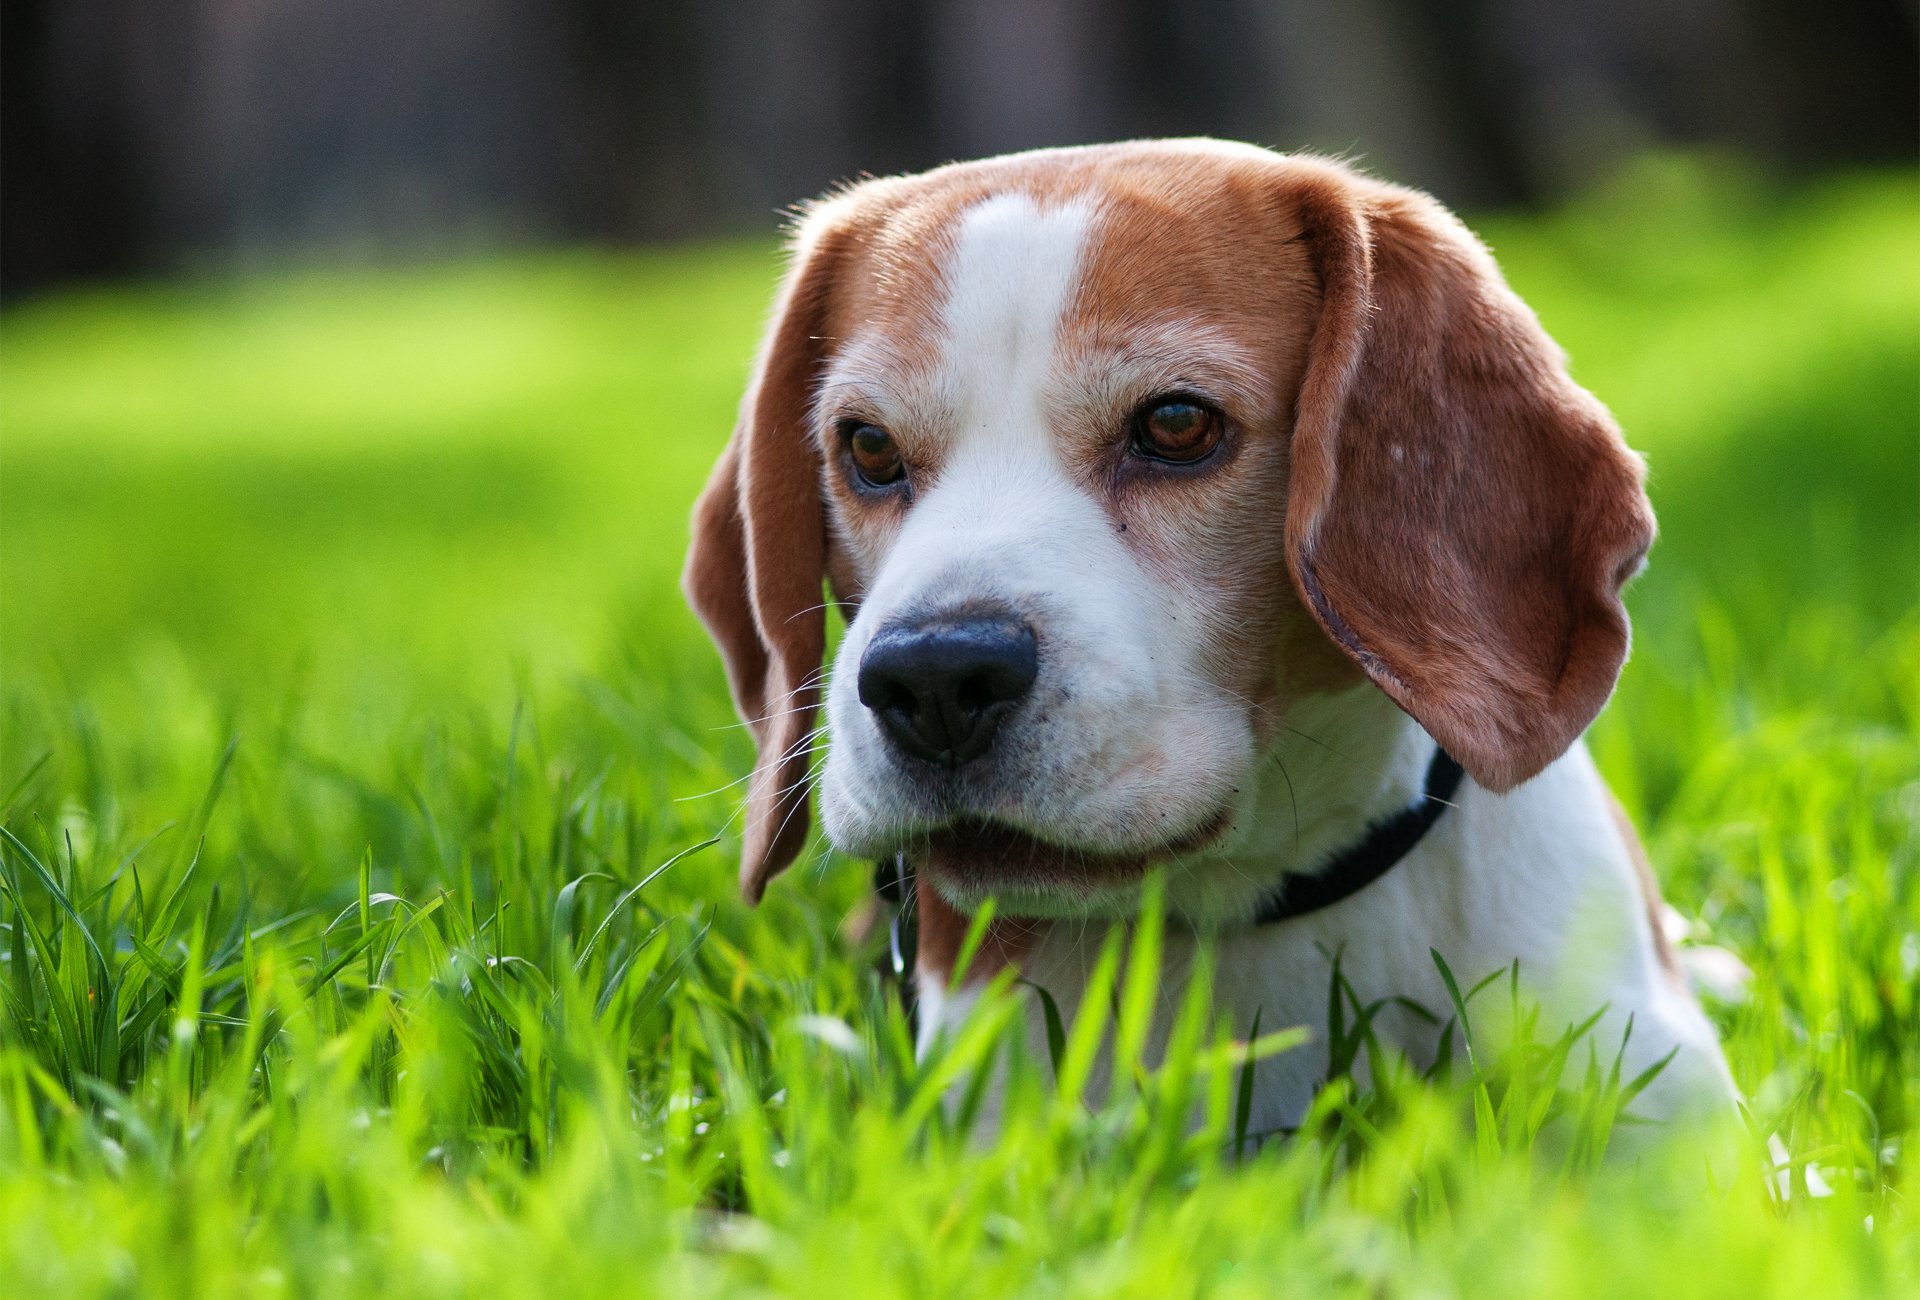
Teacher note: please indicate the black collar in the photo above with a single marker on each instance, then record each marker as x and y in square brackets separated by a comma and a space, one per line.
[1346, 874]
[1372, 856]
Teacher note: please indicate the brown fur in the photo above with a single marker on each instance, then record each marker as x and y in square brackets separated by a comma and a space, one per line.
[1462, 515]
[1458, 514]
[754, 570]
[943, 929]
[1650, 895]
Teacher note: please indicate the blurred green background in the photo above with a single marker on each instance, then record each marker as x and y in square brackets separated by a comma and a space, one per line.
[344, 583]
[385, 490]
[332, 516]
[359, 363]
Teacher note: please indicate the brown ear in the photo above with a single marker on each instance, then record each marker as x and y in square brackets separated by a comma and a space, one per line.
[758, 557]
[1461, 514]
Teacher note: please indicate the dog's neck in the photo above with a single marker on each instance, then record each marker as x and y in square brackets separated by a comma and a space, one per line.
[1336, 765]
[1339, 763]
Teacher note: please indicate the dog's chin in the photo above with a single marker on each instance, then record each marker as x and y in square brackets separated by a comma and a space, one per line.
[970, 860]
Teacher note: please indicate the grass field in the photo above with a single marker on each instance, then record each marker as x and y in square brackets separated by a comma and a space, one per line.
[352, 720]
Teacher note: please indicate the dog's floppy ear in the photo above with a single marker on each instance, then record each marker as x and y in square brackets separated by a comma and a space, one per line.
[1461, 515]
[758, 558]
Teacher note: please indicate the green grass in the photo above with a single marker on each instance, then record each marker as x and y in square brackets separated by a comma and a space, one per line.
[350, 710]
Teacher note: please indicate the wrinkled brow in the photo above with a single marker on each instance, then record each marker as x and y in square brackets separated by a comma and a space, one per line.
[1128, 365]
[872, 379]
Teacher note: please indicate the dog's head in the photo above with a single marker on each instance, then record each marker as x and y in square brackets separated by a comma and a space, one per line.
[1113, 454]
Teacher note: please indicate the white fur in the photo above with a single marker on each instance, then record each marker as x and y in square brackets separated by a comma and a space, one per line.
[1539, 875]
[1125, 744]
[941, 1009]
[1004, 520]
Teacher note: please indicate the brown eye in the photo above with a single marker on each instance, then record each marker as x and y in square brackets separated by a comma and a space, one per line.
[875, 459]
[1176, 430]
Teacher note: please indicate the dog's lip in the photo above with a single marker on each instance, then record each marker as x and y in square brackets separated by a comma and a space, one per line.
[979, 846]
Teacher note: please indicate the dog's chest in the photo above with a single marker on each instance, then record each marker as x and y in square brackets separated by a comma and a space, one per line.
[1371, 954]
[1538, 878]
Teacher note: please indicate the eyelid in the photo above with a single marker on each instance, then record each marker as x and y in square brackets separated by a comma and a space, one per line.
[1185, 396]
[1189, 394]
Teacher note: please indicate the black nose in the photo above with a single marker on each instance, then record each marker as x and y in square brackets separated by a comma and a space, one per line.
[941, 686]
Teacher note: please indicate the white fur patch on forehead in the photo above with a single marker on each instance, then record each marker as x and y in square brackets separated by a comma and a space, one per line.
[1011, 277]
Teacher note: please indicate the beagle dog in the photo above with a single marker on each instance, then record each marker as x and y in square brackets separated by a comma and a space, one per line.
[1199, 507]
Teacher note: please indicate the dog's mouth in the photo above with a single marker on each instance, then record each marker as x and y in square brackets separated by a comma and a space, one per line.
[974, 857]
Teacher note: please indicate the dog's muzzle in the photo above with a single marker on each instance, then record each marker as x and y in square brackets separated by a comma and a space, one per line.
[941, 685]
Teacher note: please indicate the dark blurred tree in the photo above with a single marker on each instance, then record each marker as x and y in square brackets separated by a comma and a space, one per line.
[72, 182]
[142, 135]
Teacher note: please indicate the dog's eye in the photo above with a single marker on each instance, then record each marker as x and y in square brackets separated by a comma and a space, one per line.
[1176, 430]
[875, 458]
